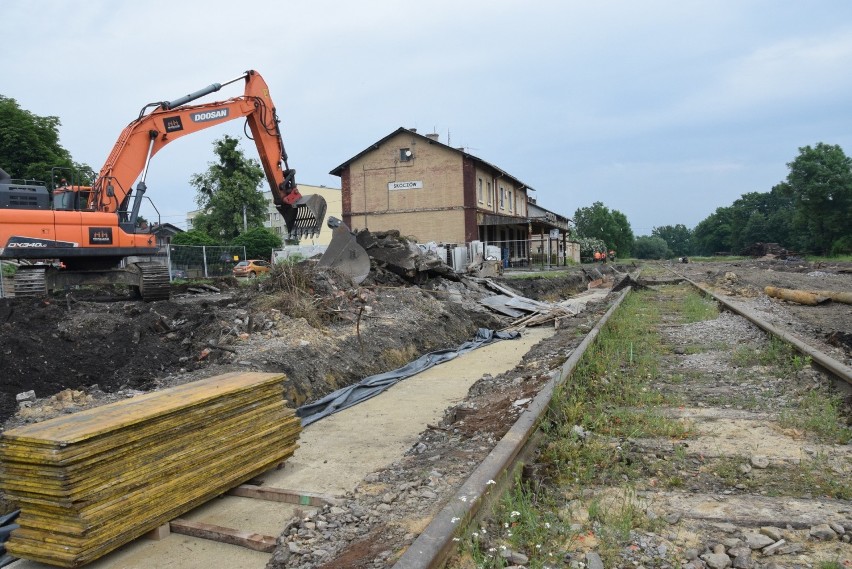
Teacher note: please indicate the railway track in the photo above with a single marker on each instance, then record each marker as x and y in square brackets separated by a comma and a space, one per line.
[743, 524]
[727, 478]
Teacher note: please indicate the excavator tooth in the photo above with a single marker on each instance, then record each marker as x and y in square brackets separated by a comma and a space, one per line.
[304, 219]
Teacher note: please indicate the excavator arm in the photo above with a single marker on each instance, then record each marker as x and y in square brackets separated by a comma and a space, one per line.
[170, 120]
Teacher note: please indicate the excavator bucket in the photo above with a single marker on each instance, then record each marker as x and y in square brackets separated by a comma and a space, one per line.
[344, 254]
[304, 217]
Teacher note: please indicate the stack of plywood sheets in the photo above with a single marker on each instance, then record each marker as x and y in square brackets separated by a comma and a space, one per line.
[91, 481]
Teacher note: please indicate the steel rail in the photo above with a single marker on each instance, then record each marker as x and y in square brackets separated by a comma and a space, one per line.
[434, 545]
[823, 360]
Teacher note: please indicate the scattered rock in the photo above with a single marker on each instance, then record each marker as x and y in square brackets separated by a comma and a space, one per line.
[837, 528]
[515, 557]
[717, 560]
[25, 396]
[672, 518]
[759, 461]
[771, 549]
[823, 531]
[773, 532]
[594, 561]
[790, 549]
[757, 540]
[743, 561]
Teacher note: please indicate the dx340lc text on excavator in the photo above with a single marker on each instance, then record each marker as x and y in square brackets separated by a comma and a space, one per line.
[91, 234]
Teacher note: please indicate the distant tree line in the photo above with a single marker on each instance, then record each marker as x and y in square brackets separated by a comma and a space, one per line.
[808, 213]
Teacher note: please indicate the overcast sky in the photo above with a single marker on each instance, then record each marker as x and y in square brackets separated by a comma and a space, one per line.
[663, 110]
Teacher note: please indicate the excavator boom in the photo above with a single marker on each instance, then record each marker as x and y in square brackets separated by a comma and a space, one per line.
[170, 120]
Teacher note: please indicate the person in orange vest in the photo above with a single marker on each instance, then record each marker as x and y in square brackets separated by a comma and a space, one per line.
[597, 256]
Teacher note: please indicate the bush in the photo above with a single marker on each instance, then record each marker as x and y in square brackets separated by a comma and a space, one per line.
[842, 246]
[646, 247]
[259, 242]
[588, 246]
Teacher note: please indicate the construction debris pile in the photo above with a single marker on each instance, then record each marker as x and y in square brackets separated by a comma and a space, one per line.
[528, 312]
[92, 481]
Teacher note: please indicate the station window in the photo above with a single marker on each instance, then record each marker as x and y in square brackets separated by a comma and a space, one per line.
[405, 154]
[479, 190]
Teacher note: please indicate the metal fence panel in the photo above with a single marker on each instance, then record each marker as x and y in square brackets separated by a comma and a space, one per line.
[203, 261]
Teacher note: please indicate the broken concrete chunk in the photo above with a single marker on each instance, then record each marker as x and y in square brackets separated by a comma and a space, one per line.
[25, 396]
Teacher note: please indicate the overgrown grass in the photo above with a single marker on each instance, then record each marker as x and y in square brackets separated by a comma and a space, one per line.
[291, 288]
[821, 414]
[8, 269]
[697, 307]
[774, 352]
[605, 401]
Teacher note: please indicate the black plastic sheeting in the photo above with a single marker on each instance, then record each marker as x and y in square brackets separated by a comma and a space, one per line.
[7, 525]
[375, 384]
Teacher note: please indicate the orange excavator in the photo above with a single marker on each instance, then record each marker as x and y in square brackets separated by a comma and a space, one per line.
[90, 234]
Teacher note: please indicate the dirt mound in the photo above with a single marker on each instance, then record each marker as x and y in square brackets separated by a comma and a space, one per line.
[319, 330]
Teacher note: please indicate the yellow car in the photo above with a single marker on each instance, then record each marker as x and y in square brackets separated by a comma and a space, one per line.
[251, 268]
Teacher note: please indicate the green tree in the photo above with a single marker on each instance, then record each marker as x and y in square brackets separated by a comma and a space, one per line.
[713, 234]
[29, 145]
[611, 227]
[228, 191]
[193, 237]
[651, 247]
[623, 238]
[820, 185]
[678, 238]
[259, 242]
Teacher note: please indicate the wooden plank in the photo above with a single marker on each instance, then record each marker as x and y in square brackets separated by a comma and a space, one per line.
[85, 491]
[283, 495]
[67, 429]
[249, 540]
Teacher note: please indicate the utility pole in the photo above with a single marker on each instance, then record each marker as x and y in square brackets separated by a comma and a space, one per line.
[245, 223]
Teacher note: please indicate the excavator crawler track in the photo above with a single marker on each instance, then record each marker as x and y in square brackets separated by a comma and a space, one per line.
[154, 284]
[30, 281]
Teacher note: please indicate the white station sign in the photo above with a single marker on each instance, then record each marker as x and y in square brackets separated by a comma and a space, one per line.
[414, 185]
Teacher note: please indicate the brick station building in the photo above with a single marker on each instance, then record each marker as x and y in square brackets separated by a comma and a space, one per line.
[433, 192]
